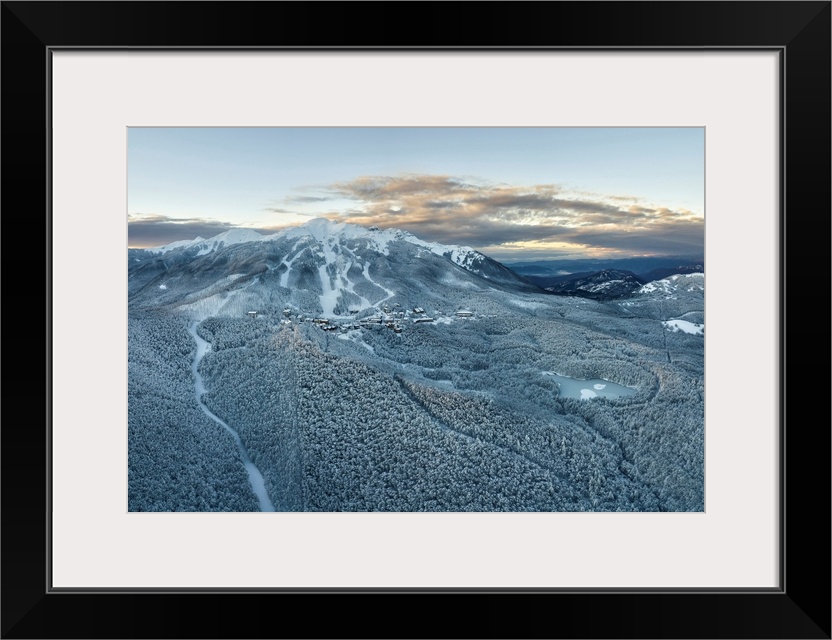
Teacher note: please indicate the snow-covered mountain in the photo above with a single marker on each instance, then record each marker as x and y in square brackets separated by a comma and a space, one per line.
[322, 229]
[203, 246]
[322, 267]
[602, 285]
[674, 285]
[678, 301]
[367, 370]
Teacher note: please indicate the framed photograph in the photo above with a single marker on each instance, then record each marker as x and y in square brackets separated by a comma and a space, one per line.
[410, 254]
[415, 319]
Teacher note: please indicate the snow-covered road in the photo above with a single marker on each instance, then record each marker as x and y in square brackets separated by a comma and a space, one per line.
[255, 478]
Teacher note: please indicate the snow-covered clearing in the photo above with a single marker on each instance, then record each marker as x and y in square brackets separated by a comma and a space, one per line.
[284, 277]
[684, 326]
[355, 336]
[458, 282]
[212, 305]
[650, 287]
[329, 297]
[390, 294]
[350, 285]
[207, 307]
[216, 286]
[689, 282]
[525, 304]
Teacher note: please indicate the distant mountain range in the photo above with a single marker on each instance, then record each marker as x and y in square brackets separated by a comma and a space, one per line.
[604, 279]
[601, 285]
[336, 269]
[641, 266]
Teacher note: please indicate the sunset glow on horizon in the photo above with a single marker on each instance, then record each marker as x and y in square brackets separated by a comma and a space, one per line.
[512, 193]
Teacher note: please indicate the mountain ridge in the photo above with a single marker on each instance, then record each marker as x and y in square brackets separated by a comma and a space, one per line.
[324, 267]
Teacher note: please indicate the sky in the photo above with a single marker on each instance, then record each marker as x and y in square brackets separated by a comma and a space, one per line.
[515, 194]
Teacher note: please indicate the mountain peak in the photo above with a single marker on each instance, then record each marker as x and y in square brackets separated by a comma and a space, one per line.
[321, 228]
[324, 267]
[237, 235]
[178, 244]
[606, 284]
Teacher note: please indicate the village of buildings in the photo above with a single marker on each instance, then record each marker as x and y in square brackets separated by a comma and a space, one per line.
[394, 318]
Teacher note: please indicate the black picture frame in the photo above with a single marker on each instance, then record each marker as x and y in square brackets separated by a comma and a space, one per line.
[798, 608]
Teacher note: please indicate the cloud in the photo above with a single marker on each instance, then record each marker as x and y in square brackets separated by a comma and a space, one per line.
[454, 210]
[443, 204]
[307, 199]
[387, 187]
[500, 219]
[510, 199]
[153, 230]
[668, 238]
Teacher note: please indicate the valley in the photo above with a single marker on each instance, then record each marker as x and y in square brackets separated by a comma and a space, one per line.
[367, 370]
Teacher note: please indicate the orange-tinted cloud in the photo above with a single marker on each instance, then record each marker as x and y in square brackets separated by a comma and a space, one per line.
[499, 219]
[454, 210]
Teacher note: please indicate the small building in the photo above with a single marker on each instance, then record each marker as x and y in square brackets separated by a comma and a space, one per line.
[418, 310]
[464, 314]
[424, 319]
[252, 314]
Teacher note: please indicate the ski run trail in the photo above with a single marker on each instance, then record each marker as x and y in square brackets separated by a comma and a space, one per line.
[255, 478]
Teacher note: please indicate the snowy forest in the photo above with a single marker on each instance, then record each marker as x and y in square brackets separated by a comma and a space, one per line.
[365, 374]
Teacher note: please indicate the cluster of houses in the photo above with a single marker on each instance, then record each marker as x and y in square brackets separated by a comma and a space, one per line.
[391, 318]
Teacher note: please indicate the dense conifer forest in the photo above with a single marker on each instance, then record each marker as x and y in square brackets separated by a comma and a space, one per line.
[442, 416]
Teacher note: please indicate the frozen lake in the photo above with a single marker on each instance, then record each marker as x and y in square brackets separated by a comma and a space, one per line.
[588, 389]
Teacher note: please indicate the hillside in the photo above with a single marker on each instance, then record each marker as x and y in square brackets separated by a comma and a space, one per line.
[367, 370]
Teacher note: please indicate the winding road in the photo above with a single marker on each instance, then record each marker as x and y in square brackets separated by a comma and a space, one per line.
[255, 478]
